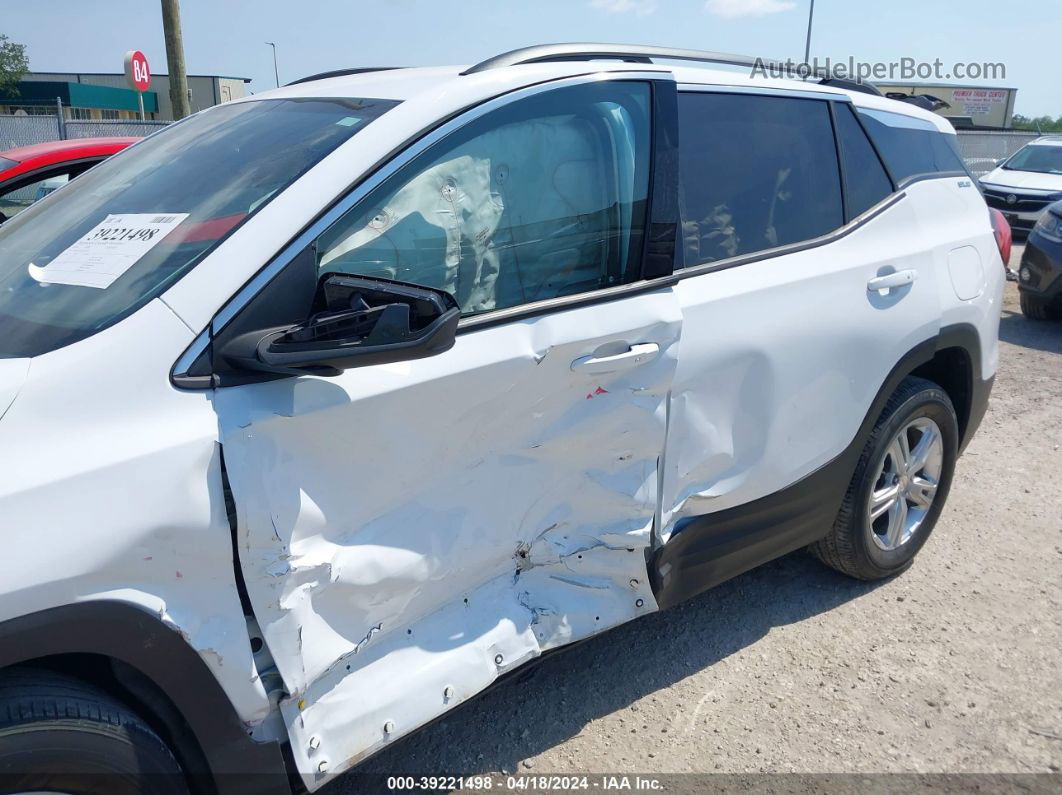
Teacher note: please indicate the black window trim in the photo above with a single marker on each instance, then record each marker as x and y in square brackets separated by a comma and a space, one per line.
[873, 145]
[910, 179]
[398, 157]
[780, 251]
[848, 225]
[851, 224]
[838, 148]
[411, 147]
[46, 172]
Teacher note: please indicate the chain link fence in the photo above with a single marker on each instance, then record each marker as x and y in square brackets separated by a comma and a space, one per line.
[107, 128]
[981, 149]
[27, 130]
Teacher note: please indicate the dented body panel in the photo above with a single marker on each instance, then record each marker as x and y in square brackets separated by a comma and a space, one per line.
[754, 412]
[406, 533]
[409, 532]
[112, 487]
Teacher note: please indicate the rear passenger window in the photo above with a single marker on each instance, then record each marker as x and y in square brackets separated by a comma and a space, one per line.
[756, 173]
[911, 147]
[864, 176]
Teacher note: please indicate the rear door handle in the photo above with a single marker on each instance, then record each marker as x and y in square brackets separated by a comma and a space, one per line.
[891, 280]
[600, 365]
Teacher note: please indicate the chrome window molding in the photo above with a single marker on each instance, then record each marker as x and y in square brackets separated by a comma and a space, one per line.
[762, 91]
[179, 372]
[792, 248]
[911, 180]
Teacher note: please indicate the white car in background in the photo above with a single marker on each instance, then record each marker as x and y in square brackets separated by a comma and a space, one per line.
[1024, 184]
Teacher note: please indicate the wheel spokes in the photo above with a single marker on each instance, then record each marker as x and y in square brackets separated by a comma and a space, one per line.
[922, 491]
[897, 522]
[919, 456]
[882, 500]
[905, 484]
[903, 451]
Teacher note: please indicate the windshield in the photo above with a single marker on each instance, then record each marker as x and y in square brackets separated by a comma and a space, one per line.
[1037, 157]
[116, 237]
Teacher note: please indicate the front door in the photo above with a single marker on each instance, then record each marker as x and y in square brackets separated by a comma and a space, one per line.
[408, 532]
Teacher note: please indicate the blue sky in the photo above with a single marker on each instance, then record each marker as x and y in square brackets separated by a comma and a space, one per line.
[227, 36]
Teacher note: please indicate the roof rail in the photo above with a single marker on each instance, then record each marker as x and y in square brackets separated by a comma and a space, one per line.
[851, 85]
[634, 53]
[341, 73]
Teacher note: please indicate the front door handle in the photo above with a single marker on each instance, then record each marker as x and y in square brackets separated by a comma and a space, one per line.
[600, 365]
[891, 280]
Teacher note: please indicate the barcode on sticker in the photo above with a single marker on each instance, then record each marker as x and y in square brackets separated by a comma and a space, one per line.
[163, 219]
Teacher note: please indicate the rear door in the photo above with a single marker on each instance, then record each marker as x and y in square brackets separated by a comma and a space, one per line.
[408, 532]
[786, 341]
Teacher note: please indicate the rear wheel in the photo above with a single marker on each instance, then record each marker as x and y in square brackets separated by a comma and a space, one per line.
[60, 735]
[1036, 308]
[899, 486]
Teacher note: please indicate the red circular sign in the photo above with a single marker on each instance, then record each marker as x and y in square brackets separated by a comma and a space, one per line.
[136, 70]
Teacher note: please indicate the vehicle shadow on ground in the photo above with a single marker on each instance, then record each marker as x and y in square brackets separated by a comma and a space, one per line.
[1040, 335]
[528, 714]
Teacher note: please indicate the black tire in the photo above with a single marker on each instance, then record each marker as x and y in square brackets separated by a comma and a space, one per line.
[1036, 308]
[59, 734]
[850, 547]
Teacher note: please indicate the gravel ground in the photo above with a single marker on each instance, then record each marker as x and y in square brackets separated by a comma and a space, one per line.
[954, 667]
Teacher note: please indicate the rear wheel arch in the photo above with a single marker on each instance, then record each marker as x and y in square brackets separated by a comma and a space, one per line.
[952, 370]
[137, 659]
[956, 368]
[717, 546]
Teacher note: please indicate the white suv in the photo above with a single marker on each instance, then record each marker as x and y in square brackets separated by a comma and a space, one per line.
[1027, 182]
[323, 409]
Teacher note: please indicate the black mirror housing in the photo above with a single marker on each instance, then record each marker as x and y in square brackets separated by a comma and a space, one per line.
[357, 321]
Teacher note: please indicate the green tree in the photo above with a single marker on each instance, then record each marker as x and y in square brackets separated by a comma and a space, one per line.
[1041, 123]
[13, 64]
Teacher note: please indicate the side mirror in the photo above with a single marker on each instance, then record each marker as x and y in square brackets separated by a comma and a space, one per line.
[358, 322]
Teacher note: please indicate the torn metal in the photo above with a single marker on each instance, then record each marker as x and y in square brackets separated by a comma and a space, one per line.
[415, 530]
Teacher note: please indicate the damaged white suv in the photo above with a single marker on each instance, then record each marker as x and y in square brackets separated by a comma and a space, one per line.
[323, 409]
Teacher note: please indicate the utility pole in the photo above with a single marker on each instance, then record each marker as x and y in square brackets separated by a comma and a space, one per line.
[807, 47]
[276, 73]
[171, 27]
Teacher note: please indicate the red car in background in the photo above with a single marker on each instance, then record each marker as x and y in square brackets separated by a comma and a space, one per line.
[32, 172]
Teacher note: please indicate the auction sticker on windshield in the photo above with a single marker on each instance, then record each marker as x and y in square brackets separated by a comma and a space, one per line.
[108, 250]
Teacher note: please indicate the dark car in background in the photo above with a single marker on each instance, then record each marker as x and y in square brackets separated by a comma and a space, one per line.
[30, 173]
[1040, 274]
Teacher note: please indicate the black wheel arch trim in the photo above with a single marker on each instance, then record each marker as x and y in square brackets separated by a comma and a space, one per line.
[707, 550]
[971, 406]
[139, 639]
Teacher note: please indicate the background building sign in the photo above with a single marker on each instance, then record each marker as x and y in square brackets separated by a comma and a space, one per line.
[138, 74]
[978, 101]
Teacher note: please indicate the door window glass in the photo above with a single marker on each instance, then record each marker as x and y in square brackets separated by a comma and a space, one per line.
[911, 146]
[542, 198]
[18, 199]
[865, 179]
[757, 172]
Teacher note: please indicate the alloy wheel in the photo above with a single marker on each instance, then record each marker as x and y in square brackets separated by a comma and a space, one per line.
[905, 483]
